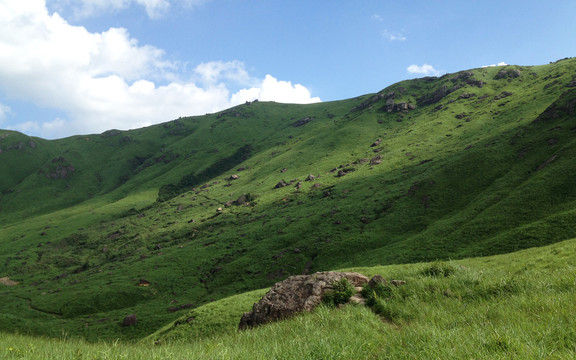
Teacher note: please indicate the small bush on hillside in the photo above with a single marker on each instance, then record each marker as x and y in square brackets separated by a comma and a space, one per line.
[373, 293]
[440, 269]
[341, 293]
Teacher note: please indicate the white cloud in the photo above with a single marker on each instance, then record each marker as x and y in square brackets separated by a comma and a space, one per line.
[4, 112]
[425, 69]
[107, 80]
[212, 72]
[393, 36]
[154, 8]
[271, 89]
[501, 63]
[376, 17]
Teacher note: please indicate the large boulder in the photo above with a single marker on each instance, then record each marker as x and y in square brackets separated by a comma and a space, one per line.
[295, 294]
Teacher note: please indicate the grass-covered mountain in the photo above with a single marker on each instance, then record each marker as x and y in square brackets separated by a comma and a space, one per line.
[163, 219]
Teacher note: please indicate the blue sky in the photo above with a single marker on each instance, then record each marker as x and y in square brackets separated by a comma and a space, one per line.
[84, 66]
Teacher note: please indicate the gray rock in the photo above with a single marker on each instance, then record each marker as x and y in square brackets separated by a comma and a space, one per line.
[295, 294]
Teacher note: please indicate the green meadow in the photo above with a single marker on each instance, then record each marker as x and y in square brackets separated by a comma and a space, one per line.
[513, 306]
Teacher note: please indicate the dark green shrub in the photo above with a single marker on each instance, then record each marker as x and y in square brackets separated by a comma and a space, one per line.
[440, 269]
[341, 293]
[378, 291]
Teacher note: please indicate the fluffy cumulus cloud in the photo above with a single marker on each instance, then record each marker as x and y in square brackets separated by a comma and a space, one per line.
[108, 80]
[271, 89]
[425, 69]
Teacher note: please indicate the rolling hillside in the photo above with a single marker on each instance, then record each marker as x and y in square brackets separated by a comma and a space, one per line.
[162, 219]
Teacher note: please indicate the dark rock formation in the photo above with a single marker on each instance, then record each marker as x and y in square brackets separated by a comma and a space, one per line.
[60, 168]
[129, 320]
[281, 184]
[507, 74]
[295, 294]
[503, 95]
[467, 96]
[302, 122]
[474, 82]
[377, 280]
[436, 96]
[462, 76]
[376, 160]
[242, 199]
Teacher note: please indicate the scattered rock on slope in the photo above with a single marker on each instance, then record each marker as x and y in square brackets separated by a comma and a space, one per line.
[281, 184]
[295, 294]
[302, 122]
[129, 320]
[6, 281]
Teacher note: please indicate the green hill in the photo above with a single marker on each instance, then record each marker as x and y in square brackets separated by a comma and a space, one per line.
[511, 306]
[159, 220]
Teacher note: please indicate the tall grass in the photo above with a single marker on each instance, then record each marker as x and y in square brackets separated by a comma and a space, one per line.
[515, 306]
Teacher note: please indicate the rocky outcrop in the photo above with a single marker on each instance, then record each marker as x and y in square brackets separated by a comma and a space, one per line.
[59, 168]
[396, 107]
[390, 105]
[507, 74]
[295, 294]
[302, 122]
[129, 320]
[434, 97]
[281, 184]
[376, 160]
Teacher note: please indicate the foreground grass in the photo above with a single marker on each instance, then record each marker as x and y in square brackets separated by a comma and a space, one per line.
[516, 306]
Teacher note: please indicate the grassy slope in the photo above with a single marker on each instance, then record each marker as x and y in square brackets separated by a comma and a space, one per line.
[517, 305]
[463, 180]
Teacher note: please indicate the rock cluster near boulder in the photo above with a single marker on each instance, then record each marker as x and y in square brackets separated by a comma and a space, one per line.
[295, 294]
